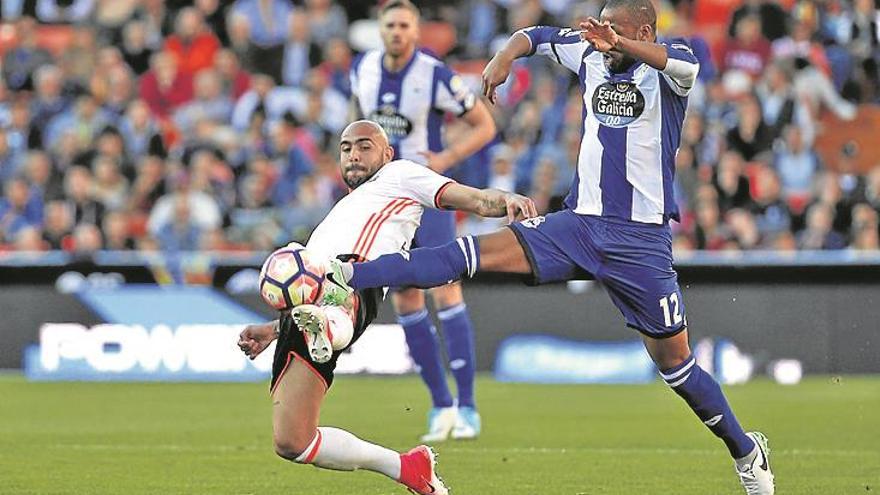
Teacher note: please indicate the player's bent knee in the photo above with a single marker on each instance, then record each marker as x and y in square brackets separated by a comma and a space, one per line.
[409, 301]
[447, 295]
[294, 447]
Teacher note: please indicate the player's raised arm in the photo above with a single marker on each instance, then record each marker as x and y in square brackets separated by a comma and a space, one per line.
[486, 202]
[562, 45]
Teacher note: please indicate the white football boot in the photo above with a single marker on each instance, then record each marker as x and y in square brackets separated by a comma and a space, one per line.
[754, 473]
[468, 424]
[441, 421]
[312, 322]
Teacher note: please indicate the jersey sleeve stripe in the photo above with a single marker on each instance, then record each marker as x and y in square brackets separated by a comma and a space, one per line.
[439, 193]
[400, 207]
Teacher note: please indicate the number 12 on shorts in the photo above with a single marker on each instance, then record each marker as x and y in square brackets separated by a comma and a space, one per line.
[671, 317]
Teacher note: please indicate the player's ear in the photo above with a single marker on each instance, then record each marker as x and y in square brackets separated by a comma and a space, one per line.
[646, 33]
[388, 153]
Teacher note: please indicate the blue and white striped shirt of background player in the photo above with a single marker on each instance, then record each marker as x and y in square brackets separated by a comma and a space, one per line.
[632, 127]
[410, 104]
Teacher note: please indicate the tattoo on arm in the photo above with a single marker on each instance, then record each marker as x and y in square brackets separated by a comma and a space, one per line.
[492, 203]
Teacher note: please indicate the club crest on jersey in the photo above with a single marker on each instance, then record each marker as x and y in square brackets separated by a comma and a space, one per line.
[533, 223]
[618, 104]
[396, 126]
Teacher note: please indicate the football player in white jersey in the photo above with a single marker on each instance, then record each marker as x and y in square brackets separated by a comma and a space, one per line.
[409, 92]
[379, 216]
[616, 222]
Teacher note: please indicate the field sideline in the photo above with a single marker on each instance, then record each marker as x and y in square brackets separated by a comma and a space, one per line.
[85, 438]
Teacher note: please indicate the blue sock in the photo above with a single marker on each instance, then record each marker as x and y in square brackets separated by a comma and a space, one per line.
[424, 347]
[458, 332]
[422, 267]
[703, 394]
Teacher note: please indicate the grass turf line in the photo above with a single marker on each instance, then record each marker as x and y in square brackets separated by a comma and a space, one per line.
[150, 438]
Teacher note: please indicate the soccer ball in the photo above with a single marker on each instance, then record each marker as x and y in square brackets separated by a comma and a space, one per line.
[290, 277]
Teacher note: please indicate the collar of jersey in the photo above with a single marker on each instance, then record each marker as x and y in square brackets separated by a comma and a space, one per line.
[402, 72]
[625, 76]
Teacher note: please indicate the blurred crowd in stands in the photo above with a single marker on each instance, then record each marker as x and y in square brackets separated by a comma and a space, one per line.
[212, 125]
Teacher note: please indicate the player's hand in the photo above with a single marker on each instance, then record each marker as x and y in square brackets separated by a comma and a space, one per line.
[439, 162]
[495, 74]
[254, 339]
[599, 34]
[519, 207]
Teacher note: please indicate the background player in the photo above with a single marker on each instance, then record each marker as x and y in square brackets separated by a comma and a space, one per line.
[408, 92]
[616, 223]
[378, 217]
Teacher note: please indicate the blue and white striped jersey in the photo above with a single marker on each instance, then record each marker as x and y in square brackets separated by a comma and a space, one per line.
[632, 127]
[410, 104]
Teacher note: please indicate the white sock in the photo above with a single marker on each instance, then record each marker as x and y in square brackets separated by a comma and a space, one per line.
[339, 450]
[748, 459]
[341, 326]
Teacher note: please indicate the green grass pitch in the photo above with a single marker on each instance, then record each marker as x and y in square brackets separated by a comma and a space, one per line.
[84, 438]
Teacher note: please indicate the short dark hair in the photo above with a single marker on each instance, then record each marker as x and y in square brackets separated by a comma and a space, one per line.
[399, 4]
[642, 11]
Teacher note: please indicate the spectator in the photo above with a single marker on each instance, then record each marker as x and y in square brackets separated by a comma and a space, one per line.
[202, 210]
[215, 18]
[750, 136]
[234, 81]
[19, 209]
[818, 234]
[116, 231]
[85, 119]
[58, 226]
[21, 62]
[180, 233]
[239, 31]
[49, 101]
[64, 11]
[86, 240]
[748, 51]
[149, 185]
[326, 19]
[744, 232]
[9, 159]
[731, 183]
[111, 188]
[209, 103]
[140, 133]
[78, 190]
[192, 44]
[29, 239]
[135, 50]
[864, 234]
[44, 180]
[772, 215]
[796, 164]
[164, 88]
[773, 19]
[710, 233]
[781, 106]
[267, 28]
[265, 99]
[301, 54]
[292, 160]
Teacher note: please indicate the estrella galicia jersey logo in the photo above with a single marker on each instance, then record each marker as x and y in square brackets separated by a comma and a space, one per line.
[618, 104]
[396, 126]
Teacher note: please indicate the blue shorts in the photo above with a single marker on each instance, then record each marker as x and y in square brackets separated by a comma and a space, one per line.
[632, 260]
[436, 229]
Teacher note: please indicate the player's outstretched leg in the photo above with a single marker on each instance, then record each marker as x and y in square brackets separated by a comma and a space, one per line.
[297, 398]
[422, 267]
[703, 394]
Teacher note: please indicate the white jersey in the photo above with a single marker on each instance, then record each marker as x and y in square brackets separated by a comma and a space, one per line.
[381, 215]
[410, 104]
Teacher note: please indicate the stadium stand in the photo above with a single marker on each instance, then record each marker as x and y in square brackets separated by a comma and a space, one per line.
[150, 125]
